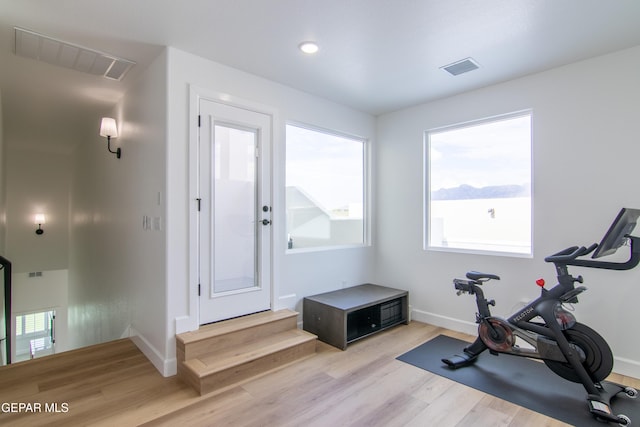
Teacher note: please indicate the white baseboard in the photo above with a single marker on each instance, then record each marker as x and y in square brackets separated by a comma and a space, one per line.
[186, 324]
[286, 301]
[628, 367]
[444, 321]
[622, 366]
[167, 367]
[126, 333]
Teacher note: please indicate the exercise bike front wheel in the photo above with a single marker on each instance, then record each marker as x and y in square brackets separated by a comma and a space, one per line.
[598, 356]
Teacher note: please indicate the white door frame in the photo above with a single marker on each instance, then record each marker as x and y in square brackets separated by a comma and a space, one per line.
[191, 321]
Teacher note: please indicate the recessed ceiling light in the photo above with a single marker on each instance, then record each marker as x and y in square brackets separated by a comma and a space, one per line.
[308, 47]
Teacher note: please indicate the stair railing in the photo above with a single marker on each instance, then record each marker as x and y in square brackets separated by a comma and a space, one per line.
[5, 266]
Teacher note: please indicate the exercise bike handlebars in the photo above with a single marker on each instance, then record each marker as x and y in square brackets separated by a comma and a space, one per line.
[570, 254]
[569, 257]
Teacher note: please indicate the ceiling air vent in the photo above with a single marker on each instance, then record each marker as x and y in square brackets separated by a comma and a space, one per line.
[57, 52]
[462, 66]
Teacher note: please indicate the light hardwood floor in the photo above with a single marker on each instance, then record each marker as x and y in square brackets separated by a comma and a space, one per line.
[114, 385]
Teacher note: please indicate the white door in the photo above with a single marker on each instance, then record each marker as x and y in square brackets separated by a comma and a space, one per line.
[235, 211]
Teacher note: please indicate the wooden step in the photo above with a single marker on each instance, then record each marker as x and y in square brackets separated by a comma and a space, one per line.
[246, 361]
[221, 335]
[230, 352]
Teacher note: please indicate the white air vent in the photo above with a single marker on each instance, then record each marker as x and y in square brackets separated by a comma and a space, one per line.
[57, 52]
[462, 66]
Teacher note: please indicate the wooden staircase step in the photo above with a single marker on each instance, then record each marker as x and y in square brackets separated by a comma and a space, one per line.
[238, 363]
[210, 339]
[256, 349]
[230, 352]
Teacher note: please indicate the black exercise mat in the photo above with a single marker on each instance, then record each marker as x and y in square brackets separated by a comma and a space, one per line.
[518, 380]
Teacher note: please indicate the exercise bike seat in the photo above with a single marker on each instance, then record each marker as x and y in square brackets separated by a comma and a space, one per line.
[476, 275]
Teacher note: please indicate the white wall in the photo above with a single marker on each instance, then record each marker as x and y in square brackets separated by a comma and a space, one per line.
[3, 230]
[294, 275]
[585, 153]
[40, 183]
[3, 185]
[144, 114]
[116, 267]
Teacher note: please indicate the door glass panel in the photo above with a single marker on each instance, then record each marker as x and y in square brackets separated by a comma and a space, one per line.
[234, 221]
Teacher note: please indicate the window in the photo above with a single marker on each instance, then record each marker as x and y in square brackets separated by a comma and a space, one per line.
[35, 334]
[479, 186]
[325, 189]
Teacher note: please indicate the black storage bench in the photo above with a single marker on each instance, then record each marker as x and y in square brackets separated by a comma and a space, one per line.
[346, 315]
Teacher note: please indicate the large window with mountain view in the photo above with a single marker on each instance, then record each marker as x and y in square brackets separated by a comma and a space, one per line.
[478, 186]
[325, 188]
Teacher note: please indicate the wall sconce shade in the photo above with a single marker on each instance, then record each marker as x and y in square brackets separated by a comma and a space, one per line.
[39, 220]
[109, 129]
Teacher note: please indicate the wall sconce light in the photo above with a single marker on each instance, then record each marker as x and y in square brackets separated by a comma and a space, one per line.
[39, 220]
[109, 129]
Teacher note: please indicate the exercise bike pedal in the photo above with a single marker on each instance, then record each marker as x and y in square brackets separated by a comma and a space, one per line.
[458, 361]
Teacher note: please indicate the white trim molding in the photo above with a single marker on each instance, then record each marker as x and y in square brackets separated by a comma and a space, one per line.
[167, 367]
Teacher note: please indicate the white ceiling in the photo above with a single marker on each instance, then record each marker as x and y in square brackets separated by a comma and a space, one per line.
[375, 55]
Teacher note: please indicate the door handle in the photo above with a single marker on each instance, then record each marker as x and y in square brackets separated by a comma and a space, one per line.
[265, 222]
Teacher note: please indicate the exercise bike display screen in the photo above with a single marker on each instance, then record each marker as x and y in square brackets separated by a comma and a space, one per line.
[616, 236]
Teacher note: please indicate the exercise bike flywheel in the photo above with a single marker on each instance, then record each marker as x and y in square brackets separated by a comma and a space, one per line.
[598, 355]
[496, 335]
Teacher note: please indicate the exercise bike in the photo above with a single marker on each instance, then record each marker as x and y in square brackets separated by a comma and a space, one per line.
[570, 349]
